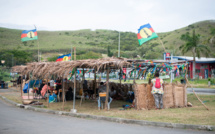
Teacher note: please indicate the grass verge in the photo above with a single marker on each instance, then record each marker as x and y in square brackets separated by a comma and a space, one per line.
[189, 115]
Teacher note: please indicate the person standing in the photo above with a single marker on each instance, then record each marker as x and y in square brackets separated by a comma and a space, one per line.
[157, 91]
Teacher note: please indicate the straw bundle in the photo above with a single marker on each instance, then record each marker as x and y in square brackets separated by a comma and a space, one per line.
[140, 96]
[150, 97]
[179, 96]
[168, 96]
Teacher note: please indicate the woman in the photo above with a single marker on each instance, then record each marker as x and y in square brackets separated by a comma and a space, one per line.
[44, 90]
[157, 91]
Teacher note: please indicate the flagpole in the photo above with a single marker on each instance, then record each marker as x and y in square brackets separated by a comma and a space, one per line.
[162, 44]
[37, 46]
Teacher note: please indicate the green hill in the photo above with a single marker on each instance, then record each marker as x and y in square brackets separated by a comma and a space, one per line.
[60, 42]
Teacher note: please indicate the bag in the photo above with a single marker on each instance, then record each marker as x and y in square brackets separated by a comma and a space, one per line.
[157, 83]
[52, 98]
[25, 89]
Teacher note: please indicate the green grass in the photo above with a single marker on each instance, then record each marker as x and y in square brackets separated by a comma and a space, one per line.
[189, 115]
[97, 41]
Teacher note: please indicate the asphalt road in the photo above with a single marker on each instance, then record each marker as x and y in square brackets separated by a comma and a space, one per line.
[206, 91]
[15, 120]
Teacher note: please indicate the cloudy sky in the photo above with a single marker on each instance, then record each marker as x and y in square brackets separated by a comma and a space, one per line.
[120, 15]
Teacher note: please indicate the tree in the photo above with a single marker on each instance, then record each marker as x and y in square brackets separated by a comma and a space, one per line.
[212, 39]
[110, 54]
[192, 44]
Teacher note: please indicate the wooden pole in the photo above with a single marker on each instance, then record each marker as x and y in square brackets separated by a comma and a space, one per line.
[33, 89]
[194, 91]
[82, 82]
[120, 80]
[29, 84]
[94, 82]
[63, 94]
[134, 86]
[162, 44]
[107, 89]
[21, 86]
[47, 93]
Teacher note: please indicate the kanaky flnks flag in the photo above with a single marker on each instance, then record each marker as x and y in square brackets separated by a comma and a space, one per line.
[29, 35]
[146, 33]
[66, 57]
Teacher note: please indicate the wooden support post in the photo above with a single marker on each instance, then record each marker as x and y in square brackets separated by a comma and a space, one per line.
[94, 82]
[47, 93]
[29, 85]
[82, 87]
[63, 92]
[134, 76]
[107, 88]
[33, 89]
[194, 91]
[120, 80]
[21, 86]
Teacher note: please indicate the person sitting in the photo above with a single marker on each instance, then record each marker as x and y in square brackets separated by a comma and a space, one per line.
[130, 96]
[44, 90]
[69, 94]
[122, 95]
[41, 86]
[113, 93]
[58, 84]
[90, 92]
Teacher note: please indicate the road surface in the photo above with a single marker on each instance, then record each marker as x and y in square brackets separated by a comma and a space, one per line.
[15, 120]
[205, 91]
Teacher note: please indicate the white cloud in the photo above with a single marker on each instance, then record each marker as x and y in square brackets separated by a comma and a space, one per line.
[165, 15]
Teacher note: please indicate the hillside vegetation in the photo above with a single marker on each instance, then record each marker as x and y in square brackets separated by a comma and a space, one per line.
[95, 43]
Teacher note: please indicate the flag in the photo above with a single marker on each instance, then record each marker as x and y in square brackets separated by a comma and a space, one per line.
[145, 33]
[29, 35]
[66, 57]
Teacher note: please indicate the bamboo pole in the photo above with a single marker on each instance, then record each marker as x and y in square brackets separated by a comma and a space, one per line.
[162, 44]
[194, 91]
[107, 88]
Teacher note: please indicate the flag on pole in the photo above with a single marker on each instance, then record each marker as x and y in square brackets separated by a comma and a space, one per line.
[66, 57]
[29, 35]
[146, 33]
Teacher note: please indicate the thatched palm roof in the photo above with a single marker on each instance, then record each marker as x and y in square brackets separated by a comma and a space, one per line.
[62, 69]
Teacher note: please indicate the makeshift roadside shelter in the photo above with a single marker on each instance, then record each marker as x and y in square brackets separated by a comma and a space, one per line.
[64, 68]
